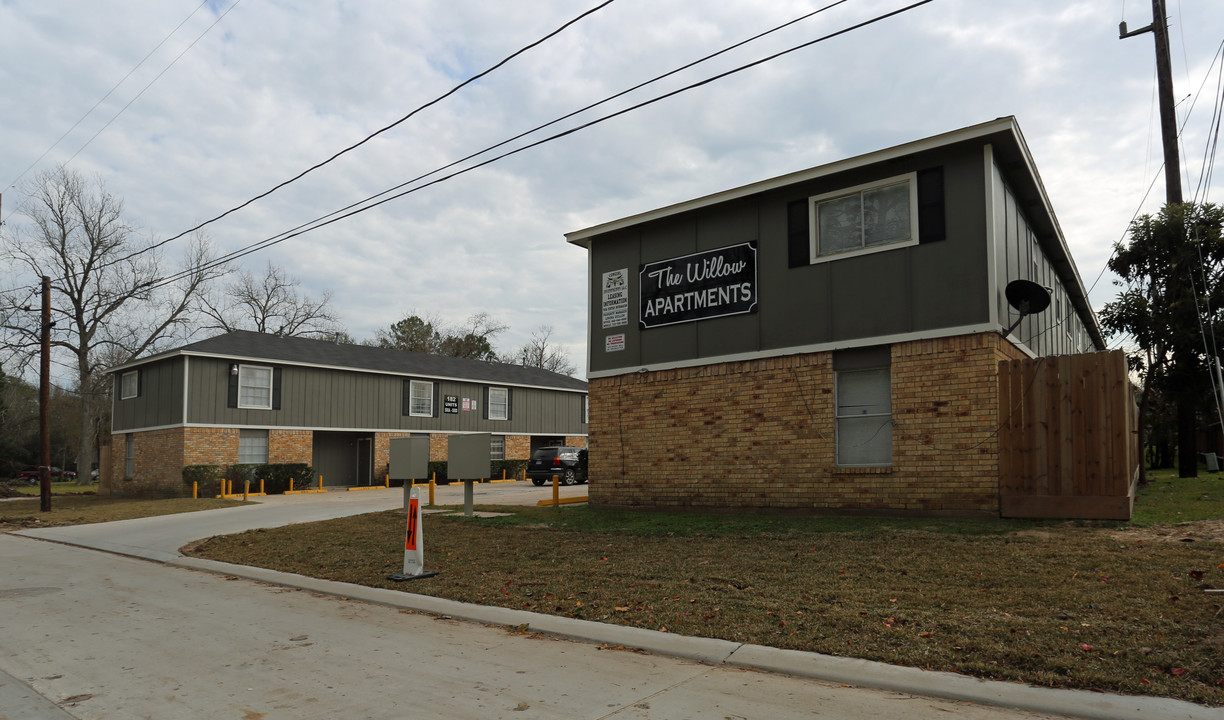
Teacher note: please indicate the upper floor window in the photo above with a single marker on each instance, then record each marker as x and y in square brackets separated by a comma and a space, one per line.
[255, 387]
[129, 385]
[499, 403]
[866, 218]
[420, 402]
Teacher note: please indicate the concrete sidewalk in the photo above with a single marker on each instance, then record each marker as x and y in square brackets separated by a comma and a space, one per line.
[159, 539]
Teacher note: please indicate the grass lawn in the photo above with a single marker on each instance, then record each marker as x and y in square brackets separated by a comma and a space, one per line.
[69, 506]
[1111, 606]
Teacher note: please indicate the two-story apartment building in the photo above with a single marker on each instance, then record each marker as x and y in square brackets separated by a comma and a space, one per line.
[827, 340]
[247, 397]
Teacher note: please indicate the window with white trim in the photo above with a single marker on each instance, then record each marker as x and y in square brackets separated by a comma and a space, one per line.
[255, 387]
[586, 409]
[864, 417]
[252, 447]
[497, 447]
[499, 403]
[129, 385]
[129, 455]
[867, 218]
[420, 400]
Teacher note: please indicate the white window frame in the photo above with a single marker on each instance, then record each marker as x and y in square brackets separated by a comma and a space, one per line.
[129, 455]
[814, 218]
[499, 410]
[586, 409]
[428, 398]
[244, 372]
[126, 392]
[839, 416]
[249, 436]
[497, 447]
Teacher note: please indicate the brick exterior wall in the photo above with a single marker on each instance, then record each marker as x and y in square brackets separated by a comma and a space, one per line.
[760, 434]
[290, 446]
[157, 459]
[518, 447]
[577, 441]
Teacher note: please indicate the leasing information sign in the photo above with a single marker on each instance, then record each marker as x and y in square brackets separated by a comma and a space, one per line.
[704, 285]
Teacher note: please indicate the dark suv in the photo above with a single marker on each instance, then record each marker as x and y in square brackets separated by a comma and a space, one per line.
[559, 461]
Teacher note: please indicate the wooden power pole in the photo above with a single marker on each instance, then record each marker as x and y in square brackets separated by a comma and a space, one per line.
[1187, 427]
[44, 399]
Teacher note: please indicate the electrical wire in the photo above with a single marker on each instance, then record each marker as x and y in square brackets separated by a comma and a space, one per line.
[241, 252]
[333, 218]
[369, 137]
[108, 94]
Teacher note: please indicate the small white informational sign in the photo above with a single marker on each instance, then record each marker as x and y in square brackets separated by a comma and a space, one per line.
[614, 343]
[616, 298]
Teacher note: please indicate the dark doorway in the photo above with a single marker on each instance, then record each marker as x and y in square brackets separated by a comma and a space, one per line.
[344, 459]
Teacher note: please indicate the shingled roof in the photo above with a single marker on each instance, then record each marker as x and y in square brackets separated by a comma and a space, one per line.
[245, 345]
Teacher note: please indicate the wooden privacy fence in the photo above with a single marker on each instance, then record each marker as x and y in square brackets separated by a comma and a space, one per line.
[1067, 443]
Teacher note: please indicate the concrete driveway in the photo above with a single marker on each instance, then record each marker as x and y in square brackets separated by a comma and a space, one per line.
[104, 635]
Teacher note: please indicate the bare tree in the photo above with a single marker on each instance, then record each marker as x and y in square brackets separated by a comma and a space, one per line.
[272, 304]
[111, 297]
[541, 352]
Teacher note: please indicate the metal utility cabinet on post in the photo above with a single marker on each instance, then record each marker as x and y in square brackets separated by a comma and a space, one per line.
[409, 460]
[468, 459]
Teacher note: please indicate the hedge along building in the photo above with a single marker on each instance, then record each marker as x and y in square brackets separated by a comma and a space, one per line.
[830, 339]
[247, 397]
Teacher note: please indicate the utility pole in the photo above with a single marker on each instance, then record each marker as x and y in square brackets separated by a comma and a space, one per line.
[1164, 90]
[1187, 426]
[44, 399]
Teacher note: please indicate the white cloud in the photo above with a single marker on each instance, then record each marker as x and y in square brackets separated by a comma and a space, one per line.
[277, 86]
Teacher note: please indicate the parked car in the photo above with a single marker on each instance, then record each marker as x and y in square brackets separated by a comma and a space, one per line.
[33, 474]
[559, 461]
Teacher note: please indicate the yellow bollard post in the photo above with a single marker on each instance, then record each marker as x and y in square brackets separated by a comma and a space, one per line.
[246, 490]
[290, 484]
[320, 483]
[261, 487]
[387, 480]
[556, 491]
[224, 487]
[195, 490]
[503, 473]
[432, 485]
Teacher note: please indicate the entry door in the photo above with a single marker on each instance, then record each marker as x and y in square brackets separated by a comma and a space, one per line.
[365, 461]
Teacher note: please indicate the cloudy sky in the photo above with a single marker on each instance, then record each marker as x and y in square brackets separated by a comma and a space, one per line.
[244, 94]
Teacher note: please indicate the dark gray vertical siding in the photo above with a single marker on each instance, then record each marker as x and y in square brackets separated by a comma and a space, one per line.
[160, 401]
[902, 290]
[348, 400]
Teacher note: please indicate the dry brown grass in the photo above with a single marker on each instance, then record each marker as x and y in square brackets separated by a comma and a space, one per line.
[1051, 605]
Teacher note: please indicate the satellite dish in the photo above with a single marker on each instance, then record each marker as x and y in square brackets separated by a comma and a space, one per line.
[1027, 297]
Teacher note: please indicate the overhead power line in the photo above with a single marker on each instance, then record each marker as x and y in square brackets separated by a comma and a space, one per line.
[352, 210]
[116, 87]
[245, 251]
[369, 137]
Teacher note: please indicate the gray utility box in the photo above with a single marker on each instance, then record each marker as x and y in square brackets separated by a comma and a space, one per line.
[409, 458]
[467, 456]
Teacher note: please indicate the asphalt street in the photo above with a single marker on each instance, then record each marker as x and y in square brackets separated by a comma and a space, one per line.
[89, 634]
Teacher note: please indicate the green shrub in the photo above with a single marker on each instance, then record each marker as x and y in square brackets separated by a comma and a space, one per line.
[276, 477]
[512, 468]
[208, 476]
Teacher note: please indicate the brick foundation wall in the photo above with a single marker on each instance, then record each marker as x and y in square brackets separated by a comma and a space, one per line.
[290, 446]
[518, 447]
[578, 441]
[761, 434]
[157, 459]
